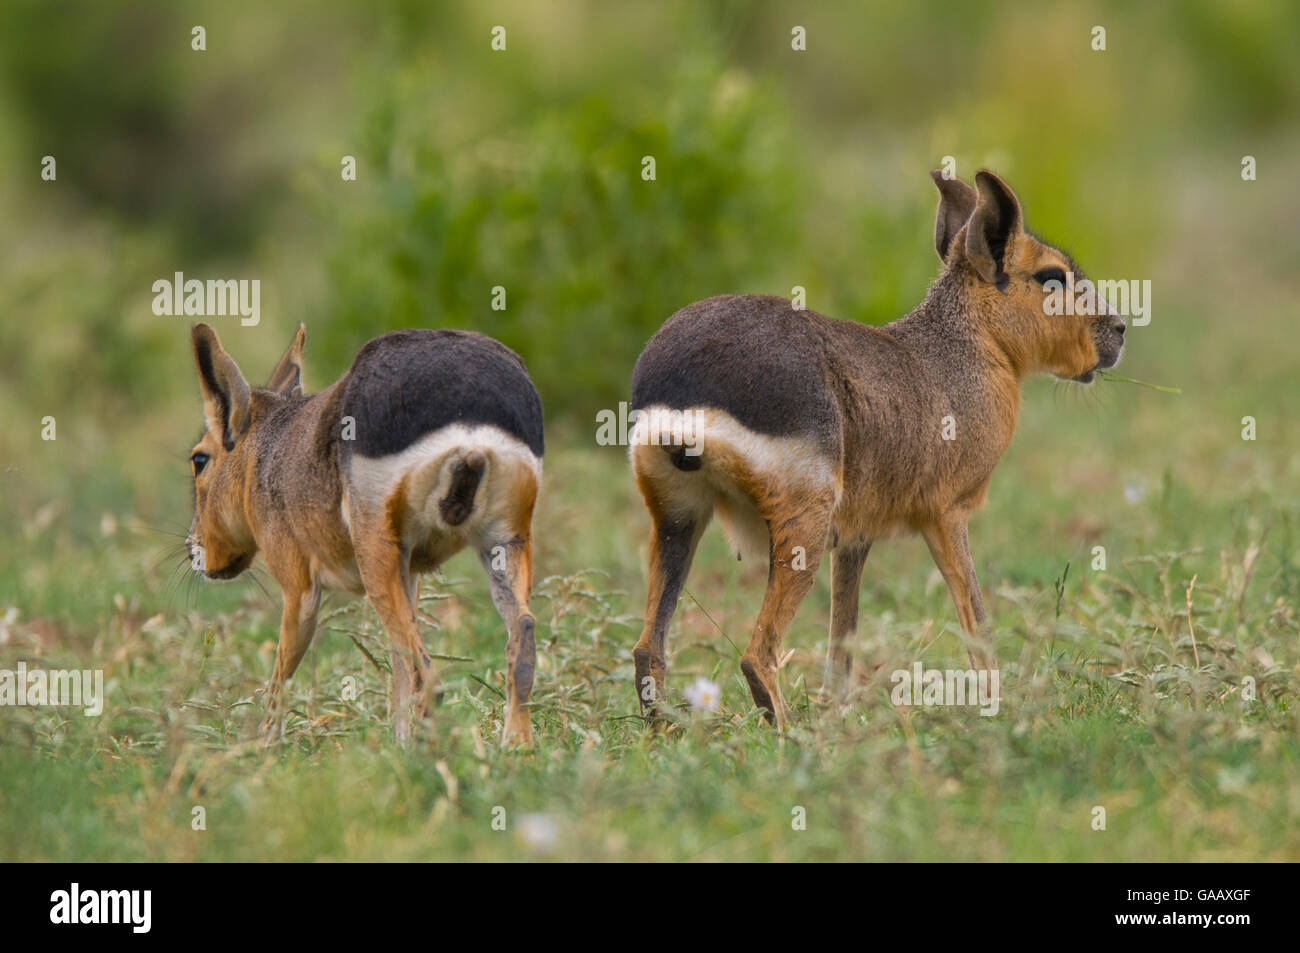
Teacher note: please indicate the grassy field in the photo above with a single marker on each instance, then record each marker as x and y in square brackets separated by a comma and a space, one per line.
[1121, 688]
[1161, 688]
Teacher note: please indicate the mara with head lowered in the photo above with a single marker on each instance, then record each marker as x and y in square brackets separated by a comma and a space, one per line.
[811, 434]
[431, 442]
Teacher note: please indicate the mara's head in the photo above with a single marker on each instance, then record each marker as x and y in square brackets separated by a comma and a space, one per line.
[1015, 284]
[221, 541]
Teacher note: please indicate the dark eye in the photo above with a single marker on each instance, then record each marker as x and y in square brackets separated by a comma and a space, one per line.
[1049, 274]
[200, 460]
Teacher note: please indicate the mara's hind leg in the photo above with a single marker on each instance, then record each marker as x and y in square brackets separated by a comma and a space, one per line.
[506, 553]
[847, 561]
[385, 571]
[679, 519]
[799, 528]
[508, 562]
[435, 689]
[672, 547]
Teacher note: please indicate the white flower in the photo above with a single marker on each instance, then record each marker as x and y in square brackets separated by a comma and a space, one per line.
[1134, 493]
[704, 694]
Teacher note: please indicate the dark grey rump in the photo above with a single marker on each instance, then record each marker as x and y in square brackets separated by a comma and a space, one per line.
[753, 356]
[406, 384]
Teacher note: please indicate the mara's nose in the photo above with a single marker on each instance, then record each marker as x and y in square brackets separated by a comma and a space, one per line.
[1117, 325]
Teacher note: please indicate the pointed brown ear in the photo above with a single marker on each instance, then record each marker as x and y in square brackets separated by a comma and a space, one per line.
[287, 377]
[993, 228]
[956, 202]
[225, 392]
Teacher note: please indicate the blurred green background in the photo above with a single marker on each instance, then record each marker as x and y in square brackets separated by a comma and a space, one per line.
[775, 168]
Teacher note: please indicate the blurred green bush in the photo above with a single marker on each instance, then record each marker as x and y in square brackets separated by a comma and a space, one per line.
[592, 256]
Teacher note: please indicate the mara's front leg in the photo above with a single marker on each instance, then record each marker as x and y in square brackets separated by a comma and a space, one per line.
[302, 596]
[847, 562]
[950, 547]
[799, 529]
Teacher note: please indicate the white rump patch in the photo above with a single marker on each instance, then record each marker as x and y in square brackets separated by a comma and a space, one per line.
[784, 462]
[427, 467]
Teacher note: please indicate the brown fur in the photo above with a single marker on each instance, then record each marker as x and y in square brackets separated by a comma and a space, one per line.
[829, 432]
[277, 482]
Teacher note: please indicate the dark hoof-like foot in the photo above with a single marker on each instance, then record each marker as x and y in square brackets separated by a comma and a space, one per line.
[756, 688]
[649, 706]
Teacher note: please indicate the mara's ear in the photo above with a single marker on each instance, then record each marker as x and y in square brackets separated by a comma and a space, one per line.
[993, 229]
[225, 392]
[286, 379]
[956, 202]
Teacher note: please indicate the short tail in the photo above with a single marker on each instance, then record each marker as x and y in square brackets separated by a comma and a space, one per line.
[683, 460]
[466, 474]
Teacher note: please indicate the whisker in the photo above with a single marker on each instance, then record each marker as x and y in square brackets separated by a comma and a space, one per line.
[256, 577]
[191, 580]
[171, 552]
[172, 586]
[174, 529]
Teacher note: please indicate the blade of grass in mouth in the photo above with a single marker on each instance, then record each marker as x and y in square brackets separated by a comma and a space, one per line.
[1128, 380]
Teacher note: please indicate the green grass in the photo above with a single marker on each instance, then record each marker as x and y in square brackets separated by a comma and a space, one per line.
[1108, 698]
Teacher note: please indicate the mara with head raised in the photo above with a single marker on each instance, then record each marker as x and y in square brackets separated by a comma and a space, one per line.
[811, 434]
[431, 442]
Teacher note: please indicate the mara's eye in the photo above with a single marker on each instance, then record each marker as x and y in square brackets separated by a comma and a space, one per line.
[200, 460]
[1049, 274]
